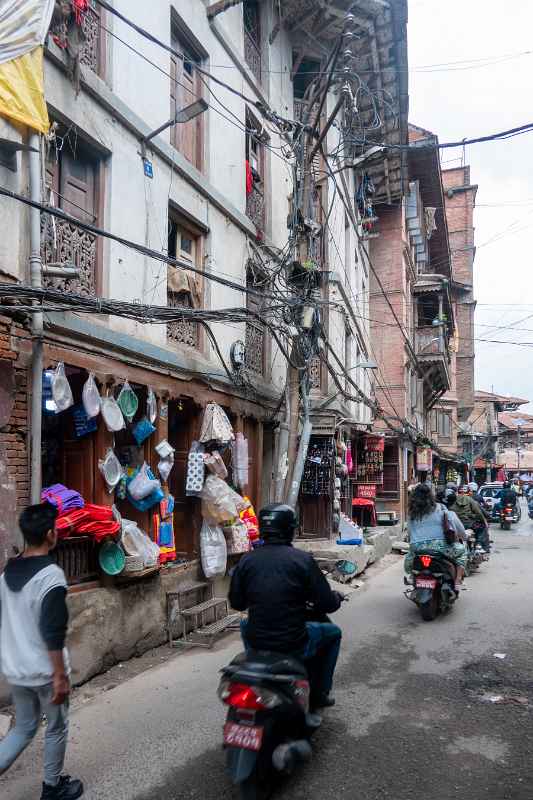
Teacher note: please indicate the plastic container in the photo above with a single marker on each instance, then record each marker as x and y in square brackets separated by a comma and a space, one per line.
[111, 558]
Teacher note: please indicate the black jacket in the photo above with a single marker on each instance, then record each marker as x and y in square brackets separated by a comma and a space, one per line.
[275, 583]
[507, 498]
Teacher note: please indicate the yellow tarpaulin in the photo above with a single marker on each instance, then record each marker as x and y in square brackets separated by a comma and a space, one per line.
[22, 90]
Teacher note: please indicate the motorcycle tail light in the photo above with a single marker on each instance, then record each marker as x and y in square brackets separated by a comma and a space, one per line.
[426, 561]
[251, 698]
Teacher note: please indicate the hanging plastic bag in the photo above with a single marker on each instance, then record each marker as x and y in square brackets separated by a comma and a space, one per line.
[111, 469]
[151, 406]
[215, 464]
[195, 470]
[142, 430]
[90, 397]
[112, 414]
[219, 502]
[237, 539]
[142, 485]
[216, 425]
[128, 401]
[240, 460]
[213, 550]
[164, 449]
[61, 391]
[165, 467]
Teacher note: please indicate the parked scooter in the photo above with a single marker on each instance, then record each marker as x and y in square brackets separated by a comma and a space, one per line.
[269, 723]
[433, 588]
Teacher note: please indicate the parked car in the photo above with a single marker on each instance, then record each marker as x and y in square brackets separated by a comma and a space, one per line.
[490, 494]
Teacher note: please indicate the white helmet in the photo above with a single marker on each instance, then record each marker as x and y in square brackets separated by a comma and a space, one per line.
[473, 486]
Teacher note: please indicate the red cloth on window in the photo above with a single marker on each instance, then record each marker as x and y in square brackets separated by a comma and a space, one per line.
[249, 178]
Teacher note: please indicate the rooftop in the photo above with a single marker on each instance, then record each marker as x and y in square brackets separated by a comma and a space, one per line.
[507, 403]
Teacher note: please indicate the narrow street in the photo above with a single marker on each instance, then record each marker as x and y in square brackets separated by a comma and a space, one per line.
[416, 714]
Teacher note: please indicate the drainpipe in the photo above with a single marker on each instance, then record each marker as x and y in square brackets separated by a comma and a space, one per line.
[294, 488]
[282, 450]
[34, 157]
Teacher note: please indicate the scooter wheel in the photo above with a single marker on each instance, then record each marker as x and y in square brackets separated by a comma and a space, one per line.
[253, 788]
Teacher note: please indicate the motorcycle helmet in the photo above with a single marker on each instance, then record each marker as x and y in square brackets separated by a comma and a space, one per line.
[277, 521]
[507, 484]
[473, 486]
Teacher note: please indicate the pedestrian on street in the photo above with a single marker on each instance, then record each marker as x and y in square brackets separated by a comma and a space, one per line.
[33, 628]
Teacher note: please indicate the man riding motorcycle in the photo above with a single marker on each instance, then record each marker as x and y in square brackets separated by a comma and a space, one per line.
[508, 496]
[276, 583]
[470, 514]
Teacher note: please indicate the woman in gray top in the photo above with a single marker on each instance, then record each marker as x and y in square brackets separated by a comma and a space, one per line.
[425, 525]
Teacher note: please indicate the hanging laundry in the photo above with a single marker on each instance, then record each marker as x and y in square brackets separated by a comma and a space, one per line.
[249, 178]
[23, 28]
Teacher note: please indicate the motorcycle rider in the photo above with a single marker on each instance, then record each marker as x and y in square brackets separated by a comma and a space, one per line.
[276, 583]
[508, 496]
[425, 524]
[470, 514]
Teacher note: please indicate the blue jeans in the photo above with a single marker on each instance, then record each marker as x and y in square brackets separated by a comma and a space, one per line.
[30, 704]
[322, 650]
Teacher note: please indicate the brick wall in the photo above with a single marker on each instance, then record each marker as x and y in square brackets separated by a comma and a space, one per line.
[14, 464]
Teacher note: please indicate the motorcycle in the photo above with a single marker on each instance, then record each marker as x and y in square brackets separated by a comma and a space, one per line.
[475, 553]
[433, 589]
[269, 724]
[506, 518]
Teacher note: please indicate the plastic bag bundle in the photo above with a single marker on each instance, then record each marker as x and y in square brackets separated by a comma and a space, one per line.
[165, 466]
[151, 406]
[137, 544]
[240, 460]
[111, 469]
[219, 502]
[142, 430]
[216, 425]
[237, 539]
[61, 391]
[142, 485]
[213, 550]
[195, 470]
[215, 464]
[90, 397]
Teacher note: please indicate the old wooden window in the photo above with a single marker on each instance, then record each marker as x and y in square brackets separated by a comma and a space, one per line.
[255, 356]
[186, 87]
[72, 184]
[444, 424]
[92, 48]
[252, 37]
[184, 289]
[255, 178]
[391, 471]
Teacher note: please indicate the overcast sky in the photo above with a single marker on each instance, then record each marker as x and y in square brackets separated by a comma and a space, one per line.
[457, 102]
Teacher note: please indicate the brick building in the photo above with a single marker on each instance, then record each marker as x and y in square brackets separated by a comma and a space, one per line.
[411, 259]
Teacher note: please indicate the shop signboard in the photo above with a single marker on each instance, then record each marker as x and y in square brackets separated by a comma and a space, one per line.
[367, 490]
[424, 459]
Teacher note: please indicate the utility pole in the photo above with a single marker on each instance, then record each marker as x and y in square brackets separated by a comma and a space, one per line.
[303, 347]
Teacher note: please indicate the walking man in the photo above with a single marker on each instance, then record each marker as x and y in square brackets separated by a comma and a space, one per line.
[33, 627]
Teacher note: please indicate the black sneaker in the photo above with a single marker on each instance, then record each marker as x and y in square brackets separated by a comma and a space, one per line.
[66, 789]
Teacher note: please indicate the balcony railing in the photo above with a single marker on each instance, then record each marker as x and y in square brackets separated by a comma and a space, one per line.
[431, 342]
[63, 242]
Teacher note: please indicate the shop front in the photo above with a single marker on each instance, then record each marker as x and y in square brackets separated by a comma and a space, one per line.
[119, 443]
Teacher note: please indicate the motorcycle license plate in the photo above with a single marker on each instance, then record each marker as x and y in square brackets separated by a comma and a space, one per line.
[247, 737]
[426, 583]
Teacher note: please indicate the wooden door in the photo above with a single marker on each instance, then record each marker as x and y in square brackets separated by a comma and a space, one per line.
[315, 516]
[185, 88]
[77, 187]
[78, 465]
[182, 429]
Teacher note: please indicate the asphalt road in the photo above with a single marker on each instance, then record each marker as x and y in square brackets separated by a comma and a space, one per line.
[424, 710]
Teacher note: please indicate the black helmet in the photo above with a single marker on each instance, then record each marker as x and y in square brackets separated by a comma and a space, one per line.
[277, 521]
[507, 484]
